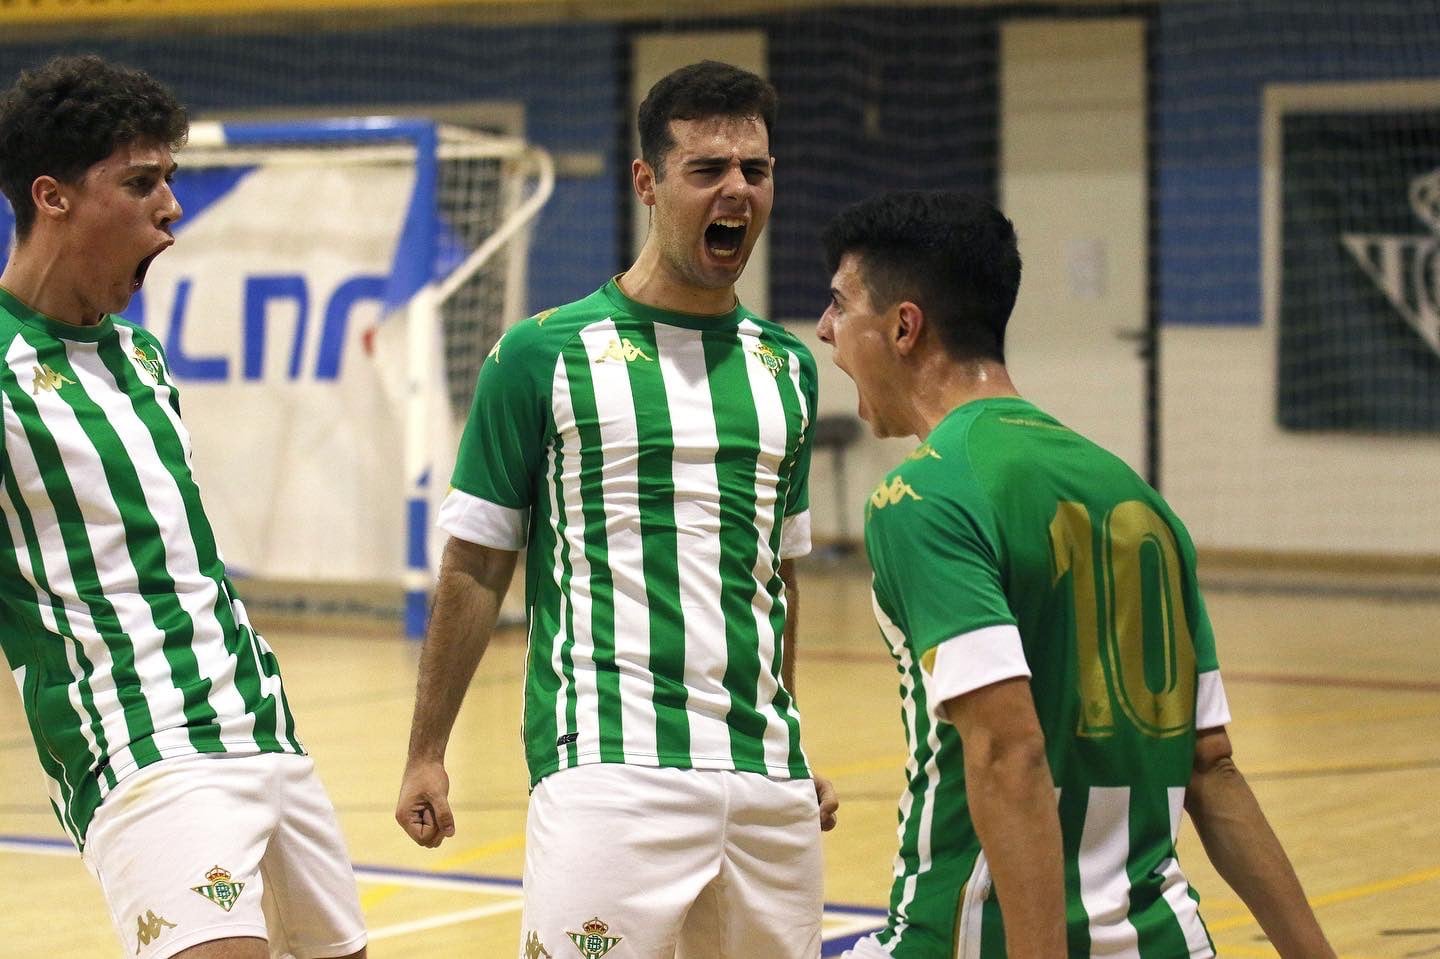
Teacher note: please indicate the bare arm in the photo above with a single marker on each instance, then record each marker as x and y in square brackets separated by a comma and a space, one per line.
[1012, 800]
[473, 581]
[824, 788]
[1246, 852]
[792, 624]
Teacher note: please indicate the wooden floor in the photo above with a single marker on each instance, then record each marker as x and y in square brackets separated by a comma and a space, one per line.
[1336, 701]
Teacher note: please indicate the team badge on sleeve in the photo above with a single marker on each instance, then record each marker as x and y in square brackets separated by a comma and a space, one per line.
[593, 943]
[222, 890]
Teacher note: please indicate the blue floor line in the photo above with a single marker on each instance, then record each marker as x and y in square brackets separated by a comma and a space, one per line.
[832, 947]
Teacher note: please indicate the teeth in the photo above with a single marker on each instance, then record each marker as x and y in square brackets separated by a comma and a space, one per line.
[732, 222]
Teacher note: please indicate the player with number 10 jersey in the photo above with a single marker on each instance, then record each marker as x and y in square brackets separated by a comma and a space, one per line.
[1033, 526]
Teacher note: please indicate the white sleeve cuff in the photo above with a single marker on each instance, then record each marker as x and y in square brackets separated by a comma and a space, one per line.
[971, 660]
[795, 535]
[1212, 709]
[482, 522]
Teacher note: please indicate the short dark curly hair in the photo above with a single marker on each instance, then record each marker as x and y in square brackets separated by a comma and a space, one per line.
[72, 113]
[705, 89]
[952, 254]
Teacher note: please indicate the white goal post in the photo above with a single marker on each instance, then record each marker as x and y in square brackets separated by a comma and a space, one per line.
[334, 288]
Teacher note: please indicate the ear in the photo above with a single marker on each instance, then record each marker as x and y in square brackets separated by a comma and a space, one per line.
[908, 328]
[642, 178]
[52, 201]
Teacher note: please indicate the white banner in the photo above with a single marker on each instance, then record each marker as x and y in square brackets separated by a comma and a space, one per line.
[267, 307]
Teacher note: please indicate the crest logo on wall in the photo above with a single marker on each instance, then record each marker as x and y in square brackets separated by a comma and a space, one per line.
[1406, 268]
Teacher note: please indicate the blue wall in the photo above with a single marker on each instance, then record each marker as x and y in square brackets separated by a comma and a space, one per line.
[1214, 60]
[871, 98]
[566, 76]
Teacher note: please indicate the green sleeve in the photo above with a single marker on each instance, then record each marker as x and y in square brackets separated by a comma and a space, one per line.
[503, 447]
[797, 499]
[933, 547]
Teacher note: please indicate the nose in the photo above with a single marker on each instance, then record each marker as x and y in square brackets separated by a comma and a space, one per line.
[734, 185]
[825, 328]
[170, 209]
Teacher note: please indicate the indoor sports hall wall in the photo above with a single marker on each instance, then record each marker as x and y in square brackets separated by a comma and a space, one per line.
[913, 95]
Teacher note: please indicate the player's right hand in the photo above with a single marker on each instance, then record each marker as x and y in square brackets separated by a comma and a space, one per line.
[423, 809]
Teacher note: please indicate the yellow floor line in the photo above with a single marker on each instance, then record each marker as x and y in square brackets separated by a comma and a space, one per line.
[505, 844]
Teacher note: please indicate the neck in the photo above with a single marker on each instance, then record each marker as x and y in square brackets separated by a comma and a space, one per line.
[940, 384]
[651, 282]
[35, 279]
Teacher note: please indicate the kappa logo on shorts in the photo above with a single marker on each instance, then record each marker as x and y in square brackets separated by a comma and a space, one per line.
[222, 891]
[593, 943]
[534, 948]
[148, 929]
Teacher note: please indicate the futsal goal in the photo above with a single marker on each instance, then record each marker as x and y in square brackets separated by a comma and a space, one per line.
[332, 293]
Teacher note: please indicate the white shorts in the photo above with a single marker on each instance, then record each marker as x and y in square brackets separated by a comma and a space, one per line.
[211, 846]
[707, 862]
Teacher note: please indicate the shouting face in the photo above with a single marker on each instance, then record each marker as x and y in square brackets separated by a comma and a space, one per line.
[711, 199]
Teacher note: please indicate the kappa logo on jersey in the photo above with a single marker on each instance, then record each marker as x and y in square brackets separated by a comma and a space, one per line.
[923, 451]
[889, 494]
[148, 929]
[495, 350]
[544, 315]
[222, 890]
[150, 364]
[534, 948]
[622, 351]
[1402, 266]
[773, 361]
[48, 380]
[593, 943]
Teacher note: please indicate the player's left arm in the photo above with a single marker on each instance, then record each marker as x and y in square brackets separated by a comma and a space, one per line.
[1246, 852]
[792, 624]
[1012, 801]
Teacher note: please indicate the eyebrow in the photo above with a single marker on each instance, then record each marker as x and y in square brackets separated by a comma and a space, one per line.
[150, 166]
[725, 160]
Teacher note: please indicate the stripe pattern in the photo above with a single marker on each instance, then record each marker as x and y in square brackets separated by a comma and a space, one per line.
[671, 458]
[665, 482]
[940, 898]
[123, 634]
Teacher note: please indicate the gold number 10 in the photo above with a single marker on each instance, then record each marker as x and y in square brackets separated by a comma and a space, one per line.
[1129, 611]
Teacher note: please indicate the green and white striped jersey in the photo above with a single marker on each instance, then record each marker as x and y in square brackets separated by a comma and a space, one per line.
[124, 635]
[655, 465]
[1006, 538]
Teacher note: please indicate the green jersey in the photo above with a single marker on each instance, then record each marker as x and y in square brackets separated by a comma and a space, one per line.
[655, 466]
[1005, 545]
[123, 633]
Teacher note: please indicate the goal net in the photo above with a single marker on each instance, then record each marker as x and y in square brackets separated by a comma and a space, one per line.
[333, 290]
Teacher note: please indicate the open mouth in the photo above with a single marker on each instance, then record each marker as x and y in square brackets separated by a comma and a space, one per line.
[724, 237]
[139, 279]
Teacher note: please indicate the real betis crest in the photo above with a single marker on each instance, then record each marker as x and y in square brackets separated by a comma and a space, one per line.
[593, 943]
[222, 891]
[150, 364]
[773, 361]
